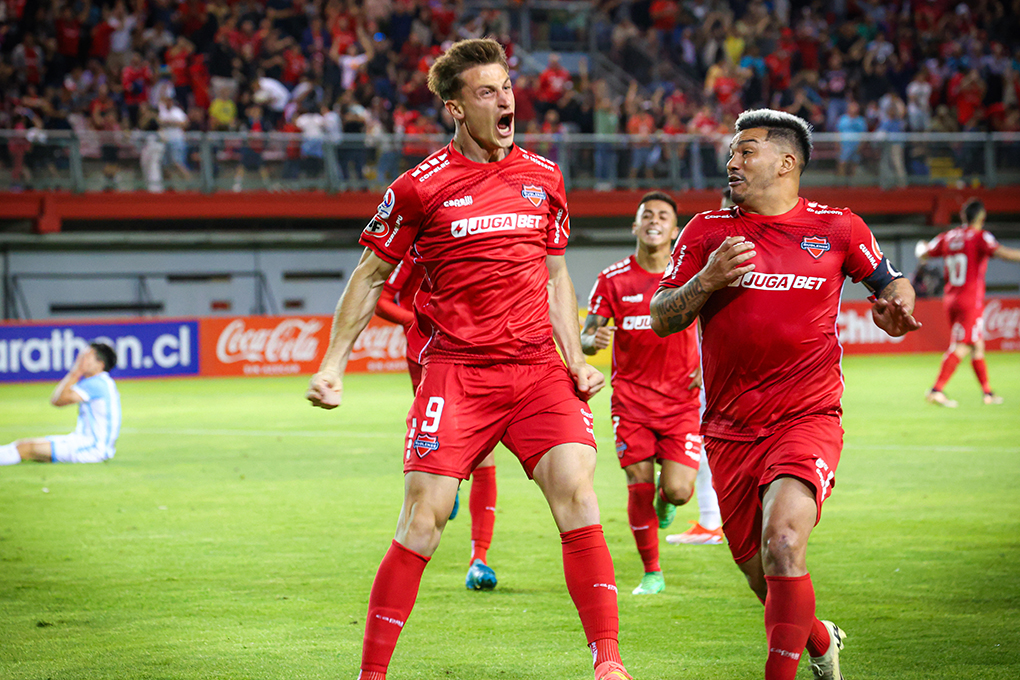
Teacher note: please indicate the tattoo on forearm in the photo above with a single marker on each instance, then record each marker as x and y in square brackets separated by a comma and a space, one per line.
[679, 307]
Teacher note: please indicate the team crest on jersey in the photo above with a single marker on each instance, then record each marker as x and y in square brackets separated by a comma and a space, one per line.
[424, 444]
[816, 246]
[533, 193]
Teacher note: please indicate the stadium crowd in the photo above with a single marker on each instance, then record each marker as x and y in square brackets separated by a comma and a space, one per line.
[329, 67]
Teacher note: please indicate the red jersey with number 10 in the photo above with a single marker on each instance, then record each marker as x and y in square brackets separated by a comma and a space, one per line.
[769, 347]
[964, 252]
[482, 232]
[651, 375]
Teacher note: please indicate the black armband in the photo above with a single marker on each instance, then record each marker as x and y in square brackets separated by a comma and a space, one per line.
[883, 275]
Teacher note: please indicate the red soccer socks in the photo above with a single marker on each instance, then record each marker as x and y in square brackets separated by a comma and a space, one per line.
[789, 619]
[644, 523]
[949, 363]
[393, 594]
[588, 569]
[483, 511]
[981, 371]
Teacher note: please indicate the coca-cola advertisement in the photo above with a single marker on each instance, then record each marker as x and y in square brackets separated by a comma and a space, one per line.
[289, 345]
[859, 334]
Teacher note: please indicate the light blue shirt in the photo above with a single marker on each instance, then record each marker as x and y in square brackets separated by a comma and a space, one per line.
[99, 412]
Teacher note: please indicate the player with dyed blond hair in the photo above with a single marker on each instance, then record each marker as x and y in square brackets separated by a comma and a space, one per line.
[765, 279]
[489, 223]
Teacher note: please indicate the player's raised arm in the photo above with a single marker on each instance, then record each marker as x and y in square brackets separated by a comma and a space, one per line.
[353, 312]
[63, 393]
[563, 316]
[674, 309]
[1004, 253]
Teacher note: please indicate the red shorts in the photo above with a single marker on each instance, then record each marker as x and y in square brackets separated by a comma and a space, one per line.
[676, 438]
[966, 324]
[414, 368]
[460, 412]
[808, 449]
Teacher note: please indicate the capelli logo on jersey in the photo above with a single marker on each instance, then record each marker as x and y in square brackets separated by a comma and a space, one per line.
[637, 323]
[459, 202]
[633, 298]
[535, 194]
[492, 223]
[430, 167]
[762, 281]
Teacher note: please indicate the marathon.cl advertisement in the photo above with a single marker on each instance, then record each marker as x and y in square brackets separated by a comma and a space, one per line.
[284, 345]
[40, 351]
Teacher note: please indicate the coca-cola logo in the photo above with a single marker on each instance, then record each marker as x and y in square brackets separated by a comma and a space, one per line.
[1001, 321]
[380, 342]
[290, 340]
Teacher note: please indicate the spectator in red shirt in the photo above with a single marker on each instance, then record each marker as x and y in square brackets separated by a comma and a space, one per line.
[100, 44]
[68, 29]
[294, 64]
[552, 83]
[135, 79]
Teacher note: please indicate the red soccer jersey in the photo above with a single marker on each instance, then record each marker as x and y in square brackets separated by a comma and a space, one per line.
[769, 344]
[482, 231]
[964, 252]
[401, 287]
[650, 374]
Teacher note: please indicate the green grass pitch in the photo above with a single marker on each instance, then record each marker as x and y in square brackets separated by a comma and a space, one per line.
[237, 531]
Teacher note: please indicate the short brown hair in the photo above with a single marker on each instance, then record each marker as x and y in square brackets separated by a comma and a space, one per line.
[444, 76]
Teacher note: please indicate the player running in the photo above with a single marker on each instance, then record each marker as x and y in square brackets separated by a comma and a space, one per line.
[765, 278]
[489, 223]
[965, 251]
[397, 305]
[656, 384]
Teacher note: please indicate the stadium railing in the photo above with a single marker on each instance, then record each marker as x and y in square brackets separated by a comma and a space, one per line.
[89, 161]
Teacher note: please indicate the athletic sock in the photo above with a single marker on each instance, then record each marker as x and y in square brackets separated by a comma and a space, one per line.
[949, 363]
[588, 570]
[789, 613]
[393, 594]
[981, 371]
[9, 454]
[818, 640]
[708, 502]
[644, 523]
[369, 675]
[482, 504]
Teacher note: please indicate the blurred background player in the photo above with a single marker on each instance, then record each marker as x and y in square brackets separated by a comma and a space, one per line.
[94, 439]
[765, 278]
[397, 306]
[656, 384]
[500, 301]
[965, 251]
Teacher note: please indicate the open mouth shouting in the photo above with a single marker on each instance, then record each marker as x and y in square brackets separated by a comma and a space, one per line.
[505, 125]
[734, 180]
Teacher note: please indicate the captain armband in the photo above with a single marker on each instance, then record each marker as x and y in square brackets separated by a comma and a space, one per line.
[883, 275]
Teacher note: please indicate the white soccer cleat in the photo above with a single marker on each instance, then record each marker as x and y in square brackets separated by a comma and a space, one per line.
[826, 666]
[991, 398]
[940, 399]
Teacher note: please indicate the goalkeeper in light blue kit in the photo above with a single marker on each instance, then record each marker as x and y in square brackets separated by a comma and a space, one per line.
[89, 385]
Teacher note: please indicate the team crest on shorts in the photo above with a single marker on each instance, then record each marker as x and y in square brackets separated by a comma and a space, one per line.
[533, 193]
[621, 448]
[425, 444]
[816, 246]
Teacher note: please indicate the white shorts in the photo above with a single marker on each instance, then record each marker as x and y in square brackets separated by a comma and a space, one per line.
[73, 448]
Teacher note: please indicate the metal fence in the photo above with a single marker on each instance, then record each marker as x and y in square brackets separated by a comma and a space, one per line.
[211, 162]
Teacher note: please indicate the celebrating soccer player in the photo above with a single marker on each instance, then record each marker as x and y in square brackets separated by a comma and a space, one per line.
[397, 305]
[765, 278]
[965, 251]
[489, 223]
[656, 384]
